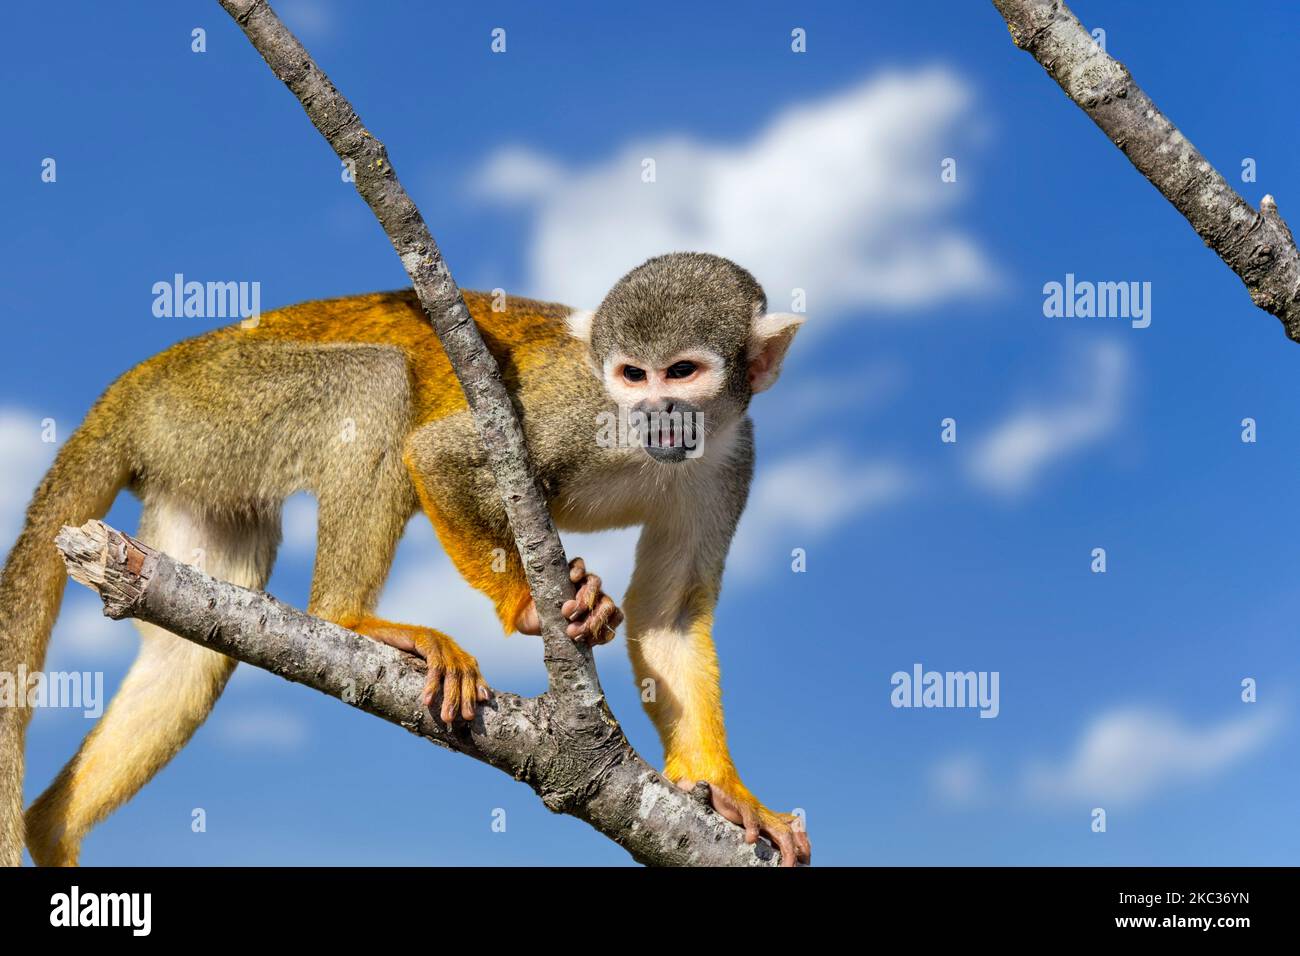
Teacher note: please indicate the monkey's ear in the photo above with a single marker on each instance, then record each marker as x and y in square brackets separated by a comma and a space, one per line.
[579, 323]
[771, 335]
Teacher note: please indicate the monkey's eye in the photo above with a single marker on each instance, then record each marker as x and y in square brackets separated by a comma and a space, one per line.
[633, 374]
[681, 370]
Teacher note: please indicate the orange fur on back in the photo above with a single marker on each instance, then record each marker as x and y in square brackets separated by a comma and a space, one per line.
[519, 336]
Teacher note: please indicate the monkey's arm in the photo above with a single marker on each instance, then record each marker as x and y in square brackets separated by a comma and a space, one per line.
[457, 492]
[669, 608]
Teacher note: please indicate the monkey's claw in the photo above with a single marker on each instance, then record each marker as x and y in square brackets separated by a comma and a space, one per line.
[592, 615]
[785, 831]
[453, 675]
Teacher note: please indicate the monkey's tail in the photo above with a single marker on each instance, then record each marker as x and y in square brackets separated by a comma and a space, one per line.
[86, 476]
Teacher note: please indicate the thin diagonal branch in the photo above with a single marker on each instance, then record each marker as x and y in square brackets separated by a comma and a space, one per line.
[1257, 246]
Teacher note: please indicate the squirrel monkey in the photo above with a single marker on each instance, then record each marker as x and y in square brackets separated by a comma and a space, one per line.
[354, 400]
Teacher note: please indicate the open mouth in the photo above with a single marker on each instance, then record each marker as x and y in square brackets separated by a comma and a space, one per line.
[667, 434]
[670, 436]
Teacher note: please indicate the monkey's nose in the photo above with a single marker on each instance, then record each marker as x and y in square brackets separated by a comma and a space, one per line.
[656, 406]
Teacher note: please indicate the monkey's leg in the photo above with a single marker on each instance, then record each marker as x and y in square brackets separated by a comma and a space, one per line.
[669, 606]
[169, 691]
[358, 531]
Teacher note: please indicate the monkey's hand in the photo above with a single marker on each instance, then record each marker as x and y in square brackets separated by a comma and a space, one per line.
[453, 674]
[592, 615]
[734, 802]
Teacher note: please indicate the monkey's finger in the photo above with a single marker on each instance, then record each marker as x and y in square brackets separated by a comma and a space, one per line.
[432, 681]
[468, 695]
[450, 696]
[723, 803]
[586, 597]
[484, 695]
[750, 816]
[576, 606]
[803, 845]
[783, 839]
[584, 624]
[603, 621]
[577, 570]
[590, 592]
[589, 626]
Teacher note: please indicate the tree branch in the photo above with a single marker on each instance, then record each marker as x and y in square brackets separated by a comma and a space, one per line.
[595, 776]
[1257, 246]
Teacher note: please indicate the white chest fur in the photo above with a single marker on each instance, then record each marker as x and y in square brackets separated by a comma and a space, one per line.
[632, 487]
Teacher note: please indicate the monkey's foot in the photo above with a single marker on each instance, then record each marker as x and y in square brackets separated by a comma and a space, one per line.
[592, 615]
[785, 831]
[452, 673]
[455, 675]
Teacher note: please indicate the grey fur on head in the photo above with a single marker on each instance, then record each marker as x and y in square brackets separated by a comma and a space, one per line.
[679, 301]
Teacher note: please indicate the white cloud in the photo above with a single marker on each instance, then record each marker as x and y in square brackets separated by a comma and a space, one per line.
[298, 525]
[839, 196]
[260, 728]
[1017, 451]
[308, 19]
[83, 634]
[1126, 755]
[959, 780]
[798, 500]
[804, 401]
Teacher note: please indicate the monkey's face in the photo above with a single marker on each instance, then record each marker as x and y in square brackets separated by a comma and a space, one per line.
[669, 402]
[681, 343]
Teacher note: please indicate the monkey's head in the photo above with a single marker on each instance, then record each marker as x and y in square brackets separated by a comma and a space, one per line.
[682, 342]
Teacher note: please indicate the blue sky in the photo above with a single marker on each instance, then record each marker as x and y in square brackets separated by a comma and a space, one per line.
[818, 171]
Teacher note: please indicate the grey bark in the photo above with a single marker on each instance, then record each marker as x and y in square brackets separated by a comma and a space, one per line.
[1257, 245]
[576, 759]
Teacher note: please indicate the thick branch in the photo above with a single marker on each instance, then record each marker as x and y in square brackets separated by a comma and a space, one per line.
[1257, 246]
[588, 772]
[569, 666]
